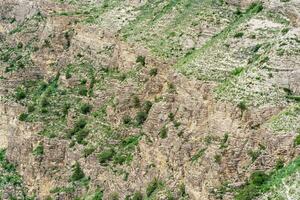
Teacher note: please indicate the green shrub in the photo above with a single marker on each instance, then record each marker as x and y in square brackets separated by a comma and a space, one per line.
[198, 155]
[237, 71]
[254, 154]
[98, 195]
[68, 74]
[106, 155]
[78, 174]
[224, 141]
[83, 81]
[297, 140]
[136, 102]
[137, 196]
[153, 72]
[163, 133]
[153, 186]
[88, 151]
[242, 105]
[126, 119]
[279, 164]
[171, 116]
[217, 158]
[182, 191]
[44, 102]
[39, 150]
[248, 193]
[285, 30]
[176, 124]
[30, 108]
[20, 94]
[141, 117]
[44, 110]
[141, 60]
[147, 106]
[85, 108]
[114, 196]
[23, 117]
[81, 135]
[258, 178]
[66, 108]
[120, 159]
[171, 88]
[83, 91]
[130, 142]
[238, 35]
[80, 124]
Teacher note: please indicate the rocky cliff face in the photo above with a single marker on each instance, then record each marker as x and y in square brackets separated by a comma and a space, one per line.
[150, 99]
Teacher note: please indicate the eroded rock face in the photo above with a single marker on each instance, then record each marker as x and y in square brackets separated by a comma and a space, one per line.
[187, 138]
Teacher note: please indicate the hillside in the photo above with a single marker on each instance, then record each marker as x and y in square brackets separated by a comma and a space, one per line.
[150, 99]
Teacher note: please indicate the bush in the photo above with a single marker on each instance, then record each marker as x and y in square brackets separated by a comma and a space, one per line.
[44, 102]
[242, 105]
[224, 141]
[78, 174]
[83, 91]
[247, 193]
[98, 195]
[141, 60]
[68, 74]
[80, 124]
[182, 191]
[81, 135]
[136, 101]
[88, 151]
[152, 187]
[127, 119]
[66, 108]
[171, 116]
[217, 158]
[85, 108]
[30, 108]
[147, 106]
[141, 117]
[163, 133]
[258, 178]
[279, 164]
[254, 154]
[238, 35]
[106, 156]
[23, 117]
[297, 140]
[153, 72]
[237, 71]
[137, 196]
[171, 87]
[114, 196]
[39, 150]
[20, 94]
